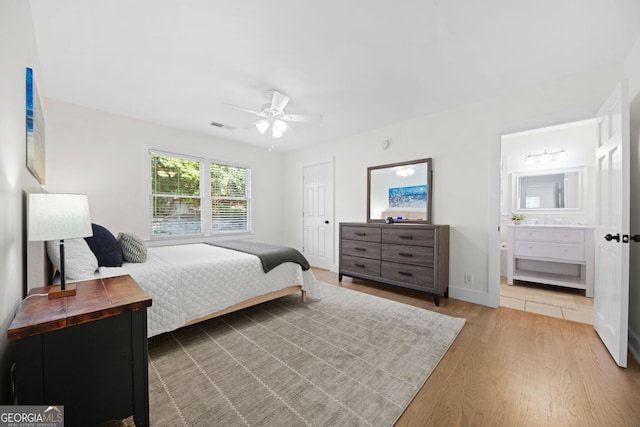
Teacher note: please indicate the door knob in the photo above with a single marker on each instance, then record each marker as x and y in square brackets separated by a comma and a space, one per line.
[326, 222]
[610, 237]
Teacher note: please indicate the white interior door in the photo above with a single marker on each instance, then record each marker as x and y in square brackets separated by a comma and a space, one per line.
[317, 246]
[611, 285]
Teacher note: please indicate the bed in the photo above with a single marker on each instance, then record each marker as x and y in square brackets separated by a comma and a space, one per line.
[194, 282]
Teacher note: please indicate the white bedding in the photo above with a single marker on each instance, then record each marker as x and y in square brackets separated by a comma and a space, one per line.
[187, 282]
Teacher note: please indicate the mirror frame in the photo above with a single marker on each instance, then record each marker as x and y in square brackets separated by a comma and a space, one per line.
[428, 181]
[582, 192]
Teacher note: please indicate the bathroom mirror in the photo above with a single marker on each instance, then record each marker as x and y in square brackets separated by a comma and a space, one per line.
[550, 190]
[400, 190]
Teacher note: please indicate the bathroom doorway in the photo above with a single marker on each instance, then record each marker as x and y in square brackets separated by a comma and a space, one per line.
[547, 210]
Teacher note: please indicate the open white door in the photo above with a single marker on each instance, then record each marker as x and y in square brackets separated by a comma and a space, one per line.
[611, 284]
[318, 215]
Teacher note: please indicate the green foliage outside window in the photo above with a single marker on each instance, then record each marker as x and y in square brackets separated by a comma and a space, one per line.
[176, 196]
[229, 204]
[175, 176]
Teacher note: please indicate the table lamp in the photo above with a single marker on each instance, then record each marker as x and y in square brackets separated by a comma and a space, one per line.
[58, 217]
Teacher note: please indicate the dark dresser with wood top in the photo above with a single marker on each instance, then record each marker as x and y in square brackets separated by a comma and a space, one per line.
[413, 256]
[87, 352]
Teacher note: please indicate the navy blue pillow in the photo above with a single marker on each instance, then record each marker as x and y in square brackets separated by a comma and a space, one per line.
[105, 247]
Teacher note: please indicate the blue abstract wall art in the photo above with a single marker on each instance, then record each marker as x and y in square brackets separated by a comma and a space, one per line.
[408, 197]
[35, 130]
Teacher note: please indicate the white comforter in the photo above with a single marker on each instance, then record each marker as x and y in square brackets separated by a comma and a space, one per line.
[187, 282]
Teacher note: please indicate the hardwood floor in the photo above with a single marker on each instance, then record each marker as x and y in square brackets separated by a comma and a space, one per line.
[514, 368]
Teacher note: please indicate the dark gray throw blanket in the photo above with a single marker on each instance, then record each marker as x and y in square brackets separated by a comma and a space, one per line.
[270, 256]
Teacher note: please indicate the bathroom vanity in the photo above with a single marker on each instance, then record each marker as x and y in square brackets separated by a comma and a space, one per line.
[561, 255]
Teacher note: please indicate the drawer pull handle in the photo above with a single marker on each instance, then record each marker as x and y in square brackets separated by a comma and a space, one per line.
[404, 273]
[359, 265]
[360, 249]
[405, 254]
[360, 234]
[406, 237]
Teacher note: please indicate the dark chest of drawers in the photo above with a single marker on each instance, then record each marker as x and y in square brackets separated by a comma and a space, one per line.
[413, 256]
[87, 352]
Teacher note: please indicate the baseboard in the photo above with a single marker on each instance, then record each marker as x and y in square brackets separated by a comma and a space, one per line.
[469, 295]
[634, 345]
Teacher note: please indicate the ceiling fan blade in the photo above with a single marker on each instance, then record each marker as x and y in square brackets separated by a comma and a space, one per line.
[302, 118]
[246, 110]
[278, 100]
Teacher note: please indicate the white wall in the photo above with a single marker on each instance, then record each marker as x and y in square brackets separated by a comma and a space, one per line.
[462, 143]
[17, 51]
[632, 72]
[104, 156]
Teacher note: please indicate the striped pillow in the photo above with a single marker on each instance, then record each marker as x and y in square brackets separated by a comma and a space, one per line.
[133, 248]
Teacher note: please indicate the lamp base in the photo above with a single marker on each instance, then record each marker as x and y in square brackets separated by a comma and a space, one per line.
[55, 292]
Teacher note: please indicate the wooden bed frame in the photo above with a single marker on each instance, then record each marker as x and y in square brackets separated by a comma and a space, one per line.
[50, 272]
[253, 301]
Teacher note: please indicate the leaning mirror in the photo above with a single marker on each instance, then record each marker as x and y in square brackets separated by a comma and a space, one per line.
[400, 190]
[556, 190]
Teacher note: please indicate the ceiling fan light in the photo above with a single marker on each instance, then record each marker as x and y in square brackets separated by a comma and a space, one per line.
[404, 172]
[279, 126]
[262, 126]
[275, 134]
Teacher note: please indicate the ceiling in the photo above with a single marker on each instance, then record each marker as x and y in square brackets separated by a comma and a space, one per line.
[362, 64]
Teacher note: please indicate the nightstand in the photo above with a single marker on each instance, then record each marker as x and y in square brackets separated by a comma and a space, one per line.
[87, 352]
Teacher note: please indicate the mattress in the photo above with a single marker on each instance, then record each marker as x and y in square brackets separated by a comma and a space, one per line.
[187, 282]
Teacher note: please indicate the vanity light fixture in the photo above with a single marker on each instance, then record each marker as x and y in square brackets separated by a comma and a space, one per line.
[546, 157]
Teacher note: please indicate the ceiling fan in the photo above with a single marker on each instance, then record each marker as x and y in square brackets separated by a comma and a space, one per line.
[273, 117]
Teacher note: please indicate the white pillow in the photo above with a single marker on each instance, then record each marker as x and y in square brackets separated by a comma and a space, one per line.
[79, 261]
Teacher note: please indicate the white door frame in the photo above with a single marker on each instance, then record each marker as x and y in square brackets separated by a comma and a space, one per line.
[495, 143]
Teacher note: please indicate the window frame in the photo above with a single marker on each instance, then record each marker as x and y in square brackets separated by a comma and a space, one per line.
[206, 199]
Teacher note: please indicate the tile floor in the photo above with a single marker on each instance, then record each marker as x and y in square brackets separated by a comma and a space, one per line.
[564, 303]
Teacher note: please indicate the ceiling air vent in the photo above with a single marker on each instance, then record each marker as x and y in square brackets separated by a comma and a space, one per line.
[223, 126]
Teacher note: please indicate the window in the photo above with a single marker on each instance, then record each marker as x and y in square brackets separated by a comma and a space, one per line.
[229, 201]
[185, 191]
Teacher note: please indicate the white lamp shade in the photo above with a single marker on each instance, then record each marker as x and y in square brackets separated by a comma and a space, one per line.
[58, 216]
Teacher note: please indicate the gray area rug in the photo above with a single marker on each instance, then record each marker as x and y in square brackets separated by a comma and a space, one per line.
[346, 359]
